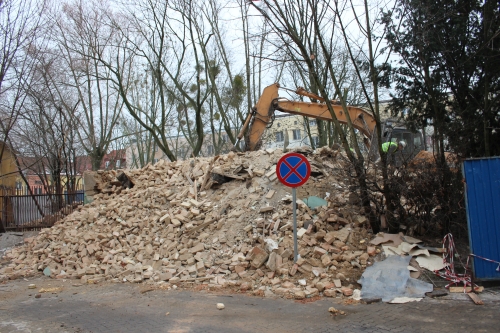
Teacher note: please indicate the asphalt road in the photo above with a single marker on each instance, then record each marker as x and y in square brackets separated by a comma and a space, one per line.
[131, 308]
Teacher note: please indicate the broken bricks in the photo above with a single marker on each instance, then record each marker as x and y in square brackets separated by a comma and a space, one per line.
[257, 257]
[167, 229]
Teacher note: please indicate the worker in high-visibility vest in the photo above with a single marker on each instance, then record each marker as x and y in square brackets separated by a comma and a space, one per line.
[391, 147]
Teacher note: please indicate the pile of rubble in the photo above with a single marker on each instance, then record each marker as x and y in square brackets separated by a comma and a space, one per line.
[221, 222]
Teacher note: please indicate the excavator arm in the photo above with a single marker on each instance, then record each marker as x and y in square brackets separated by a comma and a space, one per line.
[262, 114]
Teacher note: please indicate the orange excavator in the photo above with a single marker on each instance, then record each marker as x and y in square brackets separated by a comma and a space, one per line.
[262, 114]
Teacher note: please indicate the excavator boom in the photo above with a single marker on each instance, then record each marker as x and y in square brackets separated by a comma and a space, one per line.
[270, 101]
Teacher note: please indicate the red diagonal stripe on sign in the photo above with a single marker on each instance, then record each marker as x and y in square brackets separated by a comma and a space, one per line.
[293, 169]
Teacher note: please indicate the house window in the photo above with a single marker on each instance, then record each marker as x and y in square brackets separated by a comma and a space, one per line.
[295, 122]
[37, 190]
[296, 134]
[279, 137]
[312, 122]
[18, 185]
[118, 163]
[210, 150]
[225, 138]
[316, 141]
[106, 164]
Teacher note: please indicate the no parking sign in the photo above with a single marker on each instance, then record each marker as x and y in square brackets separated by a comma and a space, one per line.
[293, 170]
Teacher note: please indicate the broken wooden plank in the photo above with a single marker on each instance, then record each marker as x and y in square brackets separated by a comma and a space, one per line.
[475, 298]
[467, 290]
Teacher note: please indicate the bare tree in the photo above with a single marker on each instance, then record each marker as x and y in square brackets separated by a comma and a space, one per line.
[306, 28]
[139, 143]
[95, 106]
[20, 22]
[227, 88]
[366, 53]
[161, 46]
[46, 133]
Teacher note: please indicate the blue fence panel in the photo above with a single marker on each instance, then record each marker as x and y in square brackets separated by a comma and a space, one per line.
[482, 177]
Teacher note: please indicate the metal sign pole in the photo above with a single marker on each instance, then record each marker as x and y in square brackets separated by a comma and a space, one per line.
[294, 208]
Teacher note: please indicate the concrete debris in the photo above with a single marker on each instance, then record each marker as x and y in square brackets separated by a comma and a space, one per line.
[271, 244]
[217, 221]
[49, 290]
[431, 262]
[356, 295]
[335, 312]
[347, 291]
[299, 294]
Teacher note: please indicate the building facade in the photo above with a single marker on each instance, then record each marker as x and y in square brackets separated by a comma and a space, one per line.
[291, 130]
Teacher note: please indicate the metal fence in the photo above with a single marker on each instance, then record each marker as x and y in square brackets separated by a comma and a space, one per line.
[36, 211]
[482, 179]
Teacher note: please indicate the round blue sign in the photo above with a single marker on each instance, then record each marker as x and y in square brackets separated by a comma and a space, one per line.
[293, 169]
